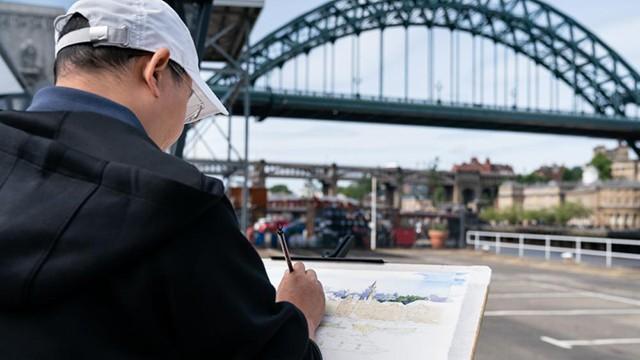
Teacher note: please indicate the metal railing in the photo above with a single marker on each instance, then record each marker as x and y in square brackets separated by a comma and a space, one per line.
[579, 245]
[450, 103]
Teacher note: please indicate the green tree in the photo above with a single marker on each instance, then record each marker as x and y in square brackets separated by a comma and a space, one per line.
[490, 214]
[568, 211]
[531, 178]
[559, 215]
[512, 215]
[572, 174]
[357, 189]
[280, 189]
[439, 195]
[603, 164]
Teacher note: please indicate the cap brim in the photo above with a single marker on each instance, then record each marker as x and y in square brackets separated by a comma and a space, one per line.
[212, 105]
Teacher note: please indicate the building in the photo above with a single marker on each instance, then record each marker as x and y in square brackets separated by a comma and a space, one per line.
[544, 196]
[623, 167]
[617, 154]
[412, 204]
[483, 168]
[510, 195]
[477, 183]
[551, 173]
[533, 197]
[625, 170]
[26, 33]
[614, 204]
[618, 205]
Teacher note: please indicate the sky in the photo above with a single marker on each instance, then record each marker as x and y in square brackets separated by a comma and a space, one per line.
[617, 22]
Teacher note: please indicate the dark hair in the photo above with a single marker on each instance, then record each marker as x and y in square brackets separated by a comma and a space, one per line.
[109, 58]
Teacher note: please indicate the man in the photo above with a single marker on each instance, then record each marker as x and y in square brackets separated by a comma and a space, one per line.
[111, 248]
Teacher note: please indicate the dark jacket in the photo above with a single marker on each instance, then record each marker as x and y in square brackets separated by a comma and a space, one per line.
[112, 249]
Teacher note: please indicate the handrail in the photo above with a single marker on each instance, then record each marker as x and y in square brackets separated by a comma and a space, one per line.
[523, 241]
[461, 104]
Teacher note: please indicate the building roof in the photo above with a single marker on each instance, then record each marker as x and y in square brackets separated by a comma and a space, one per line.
[620, 184]
[483, 168]
[609, 184]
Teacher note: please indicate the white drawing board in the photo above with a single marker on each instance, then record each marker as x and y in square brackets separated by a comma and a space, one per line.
[397, 311]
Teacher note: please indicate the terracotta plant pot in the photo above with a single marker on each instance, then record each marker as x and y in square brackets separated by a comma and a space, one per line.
[438, 238]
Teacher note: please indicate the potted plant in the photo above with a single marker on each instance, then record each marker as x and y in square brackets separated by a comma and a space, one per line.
[438, 234]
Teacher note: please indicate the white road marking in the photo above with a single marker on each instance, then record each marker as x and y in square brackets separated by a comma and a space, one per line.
[534, 295]
[568, 344]
[570, 312]
[556, 342]
[614, 298]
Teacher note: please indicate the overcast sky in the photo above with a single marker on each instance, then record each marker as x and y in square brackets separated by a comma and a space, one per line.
[617, 22]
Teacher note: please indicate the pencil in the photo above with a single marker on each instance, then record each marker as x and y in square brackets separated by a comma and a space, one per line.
[285, 249]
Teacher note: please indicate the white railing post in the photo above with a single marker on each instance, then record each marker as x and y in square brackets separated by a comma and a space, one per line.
[608, 253]
[547, 248]
[473, 237]
[521, 245]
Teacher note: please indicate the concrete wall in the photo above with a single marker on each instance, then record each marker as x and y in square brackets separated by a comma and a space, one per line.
[27, 36]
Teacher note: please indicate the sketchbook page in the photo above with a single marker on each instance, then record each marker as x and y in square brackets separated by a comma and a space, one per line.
[391, 311]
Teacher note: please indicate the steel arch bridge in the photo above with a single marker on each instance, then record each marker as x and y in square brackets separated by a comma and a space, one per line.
[531, 28]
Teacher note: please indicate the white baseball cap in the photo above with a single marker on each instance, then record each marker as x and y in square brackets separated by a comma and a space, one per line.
[146, 25]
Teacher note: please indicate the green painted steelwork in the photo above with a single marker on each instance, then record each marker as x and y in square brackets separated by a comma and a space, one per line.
[426, 113]
[533, 28]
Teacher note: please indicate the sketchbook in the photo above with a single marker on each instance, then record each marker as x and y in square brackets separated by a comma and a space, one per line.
[397, 311]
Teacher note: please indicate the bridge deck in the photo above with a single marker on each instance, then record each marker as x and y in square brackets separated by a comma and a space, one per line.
[316, 106]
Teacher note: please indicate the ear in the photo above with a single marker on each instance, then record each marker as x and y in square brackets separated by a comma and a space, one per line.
[154, 70]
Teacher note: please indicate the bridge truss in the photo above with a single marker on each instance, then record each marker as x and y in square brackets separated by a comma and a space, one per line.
[520, 34]
[532, 28]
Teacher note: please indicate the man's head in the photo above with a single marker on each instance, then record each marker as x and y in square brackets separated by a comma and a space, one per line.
[137, 53]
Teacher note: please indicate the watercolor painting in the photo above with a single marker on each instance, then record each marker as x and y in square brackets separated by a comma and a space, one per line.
[378, 314]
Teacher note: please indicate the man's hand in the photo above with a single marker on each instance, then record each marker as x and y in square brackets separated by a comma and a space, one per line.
[302, 288]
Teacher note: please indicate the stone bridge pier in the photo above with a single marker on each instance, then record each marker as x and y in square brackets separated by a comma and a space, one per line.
[329, 181]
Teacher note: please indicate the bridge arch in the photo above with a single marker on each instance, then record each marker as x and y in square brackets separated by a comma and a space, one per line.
[532, 28]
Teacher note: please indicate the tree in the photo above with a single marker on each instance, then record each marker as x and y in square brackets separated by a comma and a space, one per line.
[559, 215]
[573, 174]
[357, 189]
[603, 164]
[280, 189]
[490, 214]
[531, 178]
[437, 193]
[568, 211]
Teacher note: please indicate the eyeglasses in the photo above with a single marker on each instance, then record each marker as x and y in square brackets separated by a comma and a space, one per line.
[194, 108]
[195, 105]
